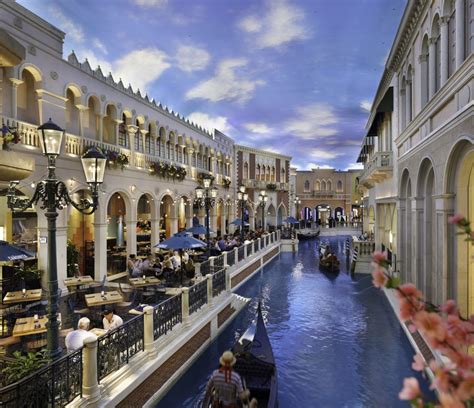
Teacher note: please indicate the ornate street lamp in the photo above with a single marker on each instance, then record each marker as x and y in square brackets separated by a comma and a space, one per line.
[243, 197]
[54, 196]
[297, 201]
[206, 197]
[262, 198]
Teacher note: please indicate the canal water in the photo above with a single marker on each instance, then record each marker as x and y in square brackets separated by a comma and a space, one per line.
[336, 341]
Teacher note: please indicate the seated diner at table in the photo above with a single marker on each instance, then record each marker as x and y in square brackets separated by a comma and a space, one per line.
[75, 339]
[111, 321]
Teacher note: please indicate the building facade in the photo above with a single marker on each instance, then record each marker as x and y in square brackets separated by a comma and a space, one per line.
[327, 193]
[261, 170]
[421, 151]
[156, 157]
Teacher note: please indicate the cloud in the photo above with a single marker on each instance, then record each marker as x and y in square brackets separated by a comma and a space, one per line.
[99, 45]
[312, 122]
[322, 154]
[141, 67]
[190, 58]
[72, 30]
[354, 166]
[309, 166]
[210, 122]
[226, 84]
[151, 3]
[257, 127]
[282, 23]
[365, 105]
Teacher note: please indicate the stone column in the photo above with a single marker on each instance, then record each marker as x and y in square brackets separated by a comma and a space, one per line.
[100, 250]
[131, 236]
[14, 102]
[82, 111]
[223, 218]
[460, 36]
[100, 118]
[148, 330]
[155, 232]
[209, 289]
[408, 101]
[90, 386]
[432, 68]
[213, 219]
[185, 306]
[417, 244]
[401, 241]
[444, 50]
[173, 225]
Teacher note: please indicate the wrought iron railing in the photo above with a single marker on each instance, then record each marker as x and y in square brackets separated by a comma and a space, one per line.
[55, 385]
[115, 349]
[205, 267]
[255, 246]
[197, 296]
[249, 249]
[219, 262]
[218, 282]
[241, 253]
[166, 315]
[231, 257]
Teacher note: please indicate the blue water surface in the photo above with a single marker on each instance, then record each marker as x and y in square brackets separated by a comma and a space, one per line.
[336, 340]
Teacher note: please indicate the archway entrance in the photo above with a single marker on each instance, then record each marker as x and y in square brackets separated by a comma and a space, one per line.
[281, 215]
[116, 236]
[339, 214]
[144, 216]
[166, 208]
[322, 214]
[270, 217]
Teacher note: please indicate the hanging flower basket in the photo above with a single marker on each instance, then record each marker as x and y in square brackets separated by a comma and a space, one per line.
[116, 159]
[167, 170]
[201, 176]
[226, 182]
[271, 186]
[10, 136]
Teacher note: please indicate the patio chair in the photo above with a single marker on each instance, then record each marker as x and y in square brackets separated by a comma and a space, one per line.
[72, 307]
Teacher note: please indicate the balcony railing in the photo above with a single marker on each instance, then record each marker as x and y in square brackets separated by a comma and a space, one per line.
[262, 185]
[377, 169]
[166, 315]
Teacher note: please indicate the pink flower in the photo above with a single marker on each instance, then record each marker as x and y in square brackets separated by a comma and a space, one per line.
[379, 257]
[456, 219]
[449, 401]
[457, 331]
[465, 390]
[450, 307]
[409, 290]
[431, 325]
[379, 278]
[411, 389]
[418, 363]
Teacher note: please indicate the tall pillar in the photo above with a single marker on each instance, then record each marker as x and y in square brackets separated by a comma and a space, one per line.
[444, 50]
[155, 232]
[100, 249]
[131, 236]
[408, 101]
[61, 254]
[100, 118]
[14, 102]
[223, 218]
[213, 220]
[460, 36]
[417, 243]
[82, 111]
[432, 68]
[401, 241]
[174, 225]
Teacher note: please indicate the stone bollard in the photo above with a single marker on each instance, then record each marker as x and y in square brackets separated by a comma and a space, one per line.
[224, 257]
[90, 385]
[259, 240]
[185, 306]
[209, 289]
[236, 256]
[228, 282]
[197, 269]
[245, 251]
[148, 330]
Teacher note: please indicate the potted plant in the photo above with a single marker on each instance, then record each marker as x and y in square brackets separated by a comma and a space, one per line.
[10, 136]
[72, 254]
[21, 366]
[29, 274]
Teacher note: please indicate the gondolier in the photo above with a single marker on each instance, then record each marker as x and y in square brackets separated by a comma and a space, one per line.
[226, 383]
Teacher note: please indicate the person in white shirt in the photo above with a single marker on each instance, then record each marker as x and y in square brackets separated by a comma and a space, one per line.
[176, 259]
[75, 339]
[111, 321]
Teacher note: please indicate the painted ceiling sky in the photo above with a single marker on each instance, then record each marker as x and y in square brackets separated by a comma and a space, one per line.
[293, 76]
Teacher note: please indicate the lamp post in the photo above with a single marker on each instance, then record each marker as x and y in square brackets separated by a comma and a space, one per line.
[262, 197]
[54, 196]
[297, 201]
[206, 197]
[243, 197]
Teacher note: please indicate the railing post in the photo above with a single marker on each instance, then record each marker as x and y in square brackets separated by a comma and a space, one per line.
[211, 260]
[228, 282]
[148, 330]
[236, 256]
[209, 289]
[259, 240]
[185, 306]
[224, 258]
[90, 385]
[197, 269]
[245, 251]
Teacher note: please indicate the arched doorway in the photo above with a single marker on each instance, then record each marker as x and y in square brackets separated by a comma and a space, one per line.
[322, 214]
[144, 216]
[406, 228]
[270, 218]
[166, 213]
[27, 104]
[281, 215]
[116, 235]
[339, 215]
[72, 113]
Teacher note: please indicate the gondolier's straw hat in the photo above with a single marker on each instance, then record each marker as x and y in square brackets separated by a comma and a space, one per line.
[227, 358]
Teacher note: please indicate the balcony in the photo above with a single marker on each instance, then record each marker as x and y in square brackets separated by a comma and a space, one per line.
[337, 195]
[262, 185]
[379, 168]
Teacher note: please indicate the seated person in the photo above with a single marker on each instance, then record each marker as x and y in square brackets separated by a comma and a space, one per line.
[222, 243]
[111, 321]
[176, 260]
[148, 266]
[189, 269]
[75, 339]
[133, 266]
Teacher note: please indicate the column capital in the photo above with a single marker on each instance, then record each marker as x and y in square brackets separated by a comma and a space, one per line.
[15, 82]
[444, 20]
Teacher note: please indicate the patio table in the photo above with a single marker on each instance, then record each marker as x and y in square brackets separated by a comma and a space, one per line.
[31, 295]
[26, 326]
[148, 281]
[81, 280]
[96, 299]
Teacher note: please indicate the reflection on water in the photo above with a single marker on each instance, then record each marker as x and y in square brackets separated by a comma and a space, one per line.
[335, 339]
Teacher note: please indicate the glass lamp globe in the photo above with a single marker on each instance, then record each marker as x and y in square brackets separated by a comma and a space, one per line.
[207, 182]
[51, 137]
[214, 192]
[93, 163]
[199, 192]
[242, 188]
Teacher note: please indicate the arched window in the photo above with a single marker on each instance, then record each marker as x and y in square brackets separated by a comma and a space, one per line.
[339, 186]
[246, 171]
[123, 132]
[469, 13]
[109, 124]
[138, 137]
[27, 105]
[403, 101]
[149, 145]
[306, 185]
[72, 113]
[317, 185]
[450, 14]
[91, 123]
[323, 185]
[409, 96]
[425, 74]
[257, 175]
[329, 185]
[436, 39]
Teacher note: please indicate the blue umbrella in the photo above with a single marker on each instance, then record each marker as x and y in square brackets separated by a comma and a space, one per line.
[199, 230]
[291, 220]
[238, 222]
[10, 252]
[181, 240]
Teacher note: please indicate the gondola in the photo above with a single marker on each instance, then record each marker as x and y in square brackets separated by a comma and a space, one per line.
[308, 233]
[329, 265]
[255, 364]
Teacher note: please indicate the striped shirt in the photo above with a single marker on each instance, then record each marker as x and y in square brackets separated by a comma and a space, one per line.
[226, 392]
